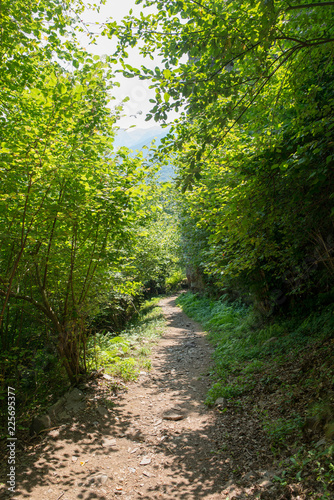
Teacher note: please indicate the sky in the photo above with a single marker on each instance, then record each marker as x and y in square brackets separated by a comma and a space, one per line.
[137, 90]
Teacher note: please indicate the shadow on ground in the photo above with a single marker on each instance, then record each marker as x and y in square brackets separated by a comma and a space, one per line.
[209, 454]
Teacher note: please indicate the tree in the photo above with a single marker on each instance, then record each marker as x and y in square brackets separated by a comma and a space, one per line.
[253, 143]
[226, 63]
[264, 206]
[68, 206]
[156, 255]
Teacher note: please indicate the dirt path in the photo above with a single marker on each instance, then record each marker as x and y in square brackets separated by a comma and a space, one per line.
[158, 441]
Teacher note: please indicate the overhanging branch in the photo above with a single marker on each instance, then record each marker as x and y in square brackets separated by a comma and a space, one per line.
[310, 5]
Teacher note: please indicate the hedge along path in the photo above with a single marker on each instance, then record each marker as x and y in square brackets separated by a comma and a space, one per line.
[155, 441]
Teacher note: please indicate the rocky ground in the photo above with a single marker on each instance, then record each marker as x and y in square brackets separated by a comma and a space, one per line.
[154, 440]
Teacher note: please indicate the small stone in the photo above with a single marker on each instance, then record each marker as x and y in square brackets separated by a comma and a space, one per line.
[147, 474]
[102, 411]
[75, 401]
[265, 484]
[40, 424]
[55, 409]
[74, 459]
[249, 476]
[74, 395]
[220, 402]
[108, 442]
[228, 484]
[54, 433]
[63, 415]
[233, 494]
[267, 473]
[173, 416]
[84, 387]
[145, 461]
[98, 479]
[106, 376]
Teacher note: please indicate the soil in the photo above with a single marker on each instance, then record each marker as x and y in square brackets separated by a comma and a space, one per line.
[154, 439]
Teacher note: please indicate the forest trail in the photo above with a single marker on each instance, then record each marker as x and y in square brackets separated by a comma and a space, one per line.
[155, 441]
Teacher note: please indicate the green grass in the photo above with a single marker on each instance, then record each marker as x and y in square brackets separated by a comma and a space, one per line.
[126, 354]
[245, 345]
[238, 346]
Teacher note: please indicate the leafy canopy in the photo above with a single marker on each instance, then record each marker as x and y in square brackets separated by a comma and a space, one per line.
[225, 63]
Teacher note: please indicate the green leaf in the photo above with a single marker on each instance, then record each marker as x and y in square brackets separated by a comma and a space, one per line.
[167, 73]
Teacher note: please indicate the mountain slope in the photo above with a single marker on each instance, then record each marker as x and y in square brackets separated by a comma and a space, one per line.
[137, 139]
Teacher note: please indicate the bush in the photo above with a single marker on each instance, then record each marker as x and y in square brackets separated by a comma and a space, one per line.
[174, 281]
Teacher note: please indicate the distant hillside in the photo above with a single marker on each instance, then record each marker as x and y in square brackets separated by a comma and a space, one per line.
[137, 138]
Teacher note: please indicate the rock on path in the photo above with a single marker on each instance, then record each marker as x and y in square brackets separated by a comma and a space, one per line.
[158, 441]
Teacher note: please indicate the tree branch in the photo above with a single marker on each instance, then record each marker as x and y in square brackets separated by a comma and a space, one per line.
[26, 298]
[310, 5]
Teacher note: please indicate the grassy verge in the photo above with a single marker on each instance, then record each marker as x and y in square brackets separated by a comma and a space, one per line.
[285, 372]
[125, 355]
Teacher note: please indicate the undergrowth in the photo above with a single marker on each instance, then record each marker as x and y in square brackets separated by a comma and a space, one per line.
[126, 354]
[122, 356]
[284, 369]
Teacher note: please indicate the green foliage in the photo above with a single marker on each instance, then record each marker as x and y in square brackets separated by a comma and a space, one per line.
[107, 349]
[221, 60]
[65, 211]
[126, 354]
[255, 366]
[126, 369]
[174, 281]
[156, 257]
[226, 390]
[320, 416]
[316, 463]
[253, 146]
[70, 208]
[282, 428]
